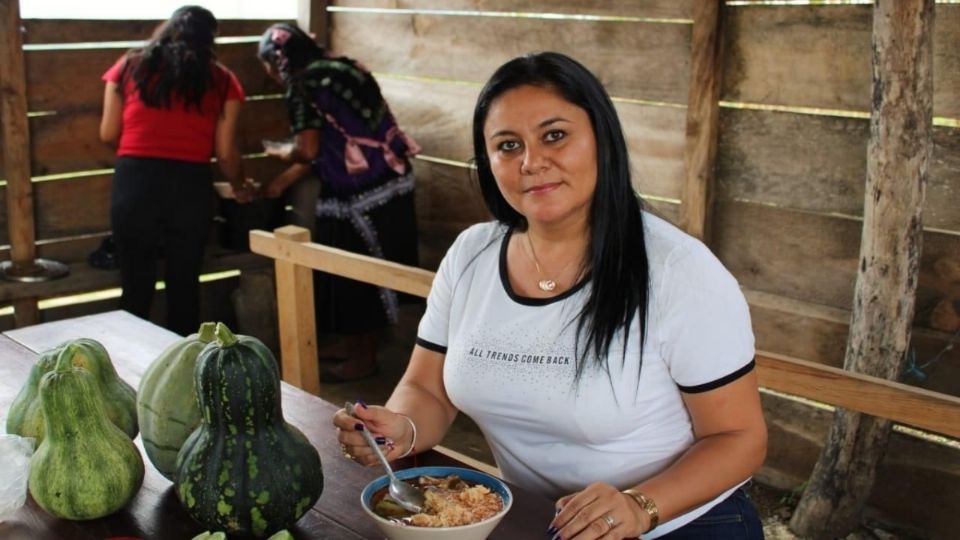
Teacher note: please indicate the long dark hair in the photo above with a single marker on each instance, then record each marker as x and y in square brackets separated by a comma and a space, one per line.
[289, 49]
[178, 59]
[617, 256]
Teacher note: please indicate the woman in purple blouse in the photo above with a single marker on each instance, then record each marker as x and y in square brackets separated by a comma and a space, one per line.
[345, 135]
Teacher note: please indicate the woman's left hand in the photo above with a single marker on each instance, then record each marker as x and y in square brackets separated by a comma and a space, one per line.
[599, 511]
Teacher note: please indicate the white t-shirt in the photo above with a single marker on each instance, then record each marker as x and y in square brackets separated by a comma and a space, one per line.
[510, 363]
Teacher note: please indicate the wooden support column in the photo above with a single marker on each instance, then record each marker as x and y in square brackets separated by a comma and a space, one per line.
[295, 314]
[16, 152]
[700, 149]
[898, 154]
[312, 16]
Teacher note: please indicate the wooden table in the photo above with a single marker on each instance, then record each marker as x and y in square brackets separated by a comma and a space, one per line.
[155, 512]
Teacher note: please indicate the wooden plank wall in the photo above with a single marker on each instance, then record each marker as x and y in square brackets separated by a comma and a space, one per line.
[65, 96]
[791, 165]
[64, 60]
[791, 151]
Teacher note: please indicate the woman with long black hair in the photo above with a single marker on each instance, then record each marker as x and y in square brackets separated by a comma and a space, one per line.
[606, 355]
[169, 106]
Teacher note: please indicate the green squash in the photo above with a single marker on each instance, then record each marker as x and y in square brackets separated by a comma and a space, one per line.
[25, 418]
[245, 470]
[167, 407]
[86, 467]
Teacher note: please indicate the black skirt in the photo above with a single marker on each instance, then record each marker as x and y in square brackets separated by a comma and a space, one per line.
[380, 222]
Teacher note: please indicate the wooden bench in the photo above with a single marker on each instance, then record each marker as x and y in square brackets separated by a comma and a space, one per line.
[295, 259]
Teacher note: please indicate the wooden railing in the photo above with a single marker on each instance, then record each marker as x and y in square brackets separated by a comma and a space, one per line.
[296, 258]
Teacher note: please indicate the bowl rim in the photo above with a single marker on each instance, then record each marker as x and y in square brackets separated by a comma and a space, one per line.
[404, 474]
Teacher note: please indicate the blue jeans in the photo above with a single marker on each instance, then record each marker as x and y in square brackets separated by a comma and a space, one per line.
[734, 518]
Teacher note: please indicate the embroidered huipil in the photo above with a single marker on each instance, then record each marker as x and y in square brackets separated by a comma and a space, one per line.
[363, 159]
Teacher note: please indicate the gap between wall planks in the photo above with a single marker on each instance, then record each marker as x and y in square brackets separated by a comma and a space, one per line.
[649, 9]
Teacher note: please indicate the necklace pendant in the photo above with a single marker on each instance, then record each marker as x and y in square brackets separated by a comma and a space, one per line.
[547, 285]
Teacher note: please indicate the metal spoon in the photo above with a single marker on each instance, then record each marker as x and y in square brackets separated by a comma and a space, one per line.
[408, 497]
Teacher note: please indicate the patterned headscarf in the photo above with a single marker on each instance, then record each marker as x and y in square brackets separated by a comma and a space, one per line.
[288, 48]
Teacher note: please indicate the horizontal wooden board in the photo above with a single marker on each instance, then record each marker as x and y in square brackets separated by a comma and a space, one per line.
[448, 194]
[813, 258]
[69, 80]
[787, 327]
[610, 8]
[72, 207]
[95, 31]
[442, 126]
[818, 164]
[64, 143]
[69, 250]
[819, 56]
[58, 214]
[633, 59]
[84, 278]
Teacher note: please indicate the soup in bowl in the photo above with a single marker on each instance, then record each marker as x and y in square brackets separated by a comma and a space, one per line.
[461, 504]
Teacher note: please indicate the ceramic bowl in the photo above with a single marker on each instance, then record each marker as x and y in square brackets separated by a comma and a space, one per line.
[474, 531]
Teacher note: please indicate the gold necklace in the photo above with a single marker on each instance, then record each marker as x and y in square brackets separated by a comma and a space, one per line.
[545, 284]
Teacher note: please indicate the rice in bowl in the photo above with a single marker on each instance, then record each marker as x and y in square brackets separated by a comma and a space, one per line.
[459, 496]
[449, 502]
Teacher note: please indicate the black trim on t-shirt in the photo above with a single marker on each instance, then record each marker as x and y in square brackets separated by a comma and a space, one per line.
[526, 300]
[431, 346]
[726, 379]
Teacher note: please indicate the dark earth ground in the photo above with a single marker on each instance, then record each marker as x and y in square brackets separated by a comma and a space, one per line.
[775, 506]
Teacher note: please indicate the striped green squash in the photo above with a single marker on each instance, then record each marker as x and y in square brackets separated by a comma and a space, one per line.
[25, 418]
[86, 467]
[167, 405]
[245, 470]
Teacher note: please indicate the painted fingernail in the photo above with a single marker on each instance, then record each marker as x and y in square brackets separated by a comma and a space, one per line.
[551, 532]
[358, 426]
[557, 511]
[361, 403]
[381, 440]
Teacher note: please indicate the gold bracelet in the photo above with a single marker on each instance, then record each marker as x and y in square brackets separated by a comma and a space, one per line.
[646, 504]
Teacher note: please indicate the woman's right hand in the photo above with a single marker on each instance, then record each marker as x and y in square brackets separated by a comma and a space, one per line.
[392, 432]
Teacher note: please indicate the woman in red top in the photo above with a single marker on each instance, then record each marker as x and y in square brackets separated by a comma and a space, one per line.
[169, 106]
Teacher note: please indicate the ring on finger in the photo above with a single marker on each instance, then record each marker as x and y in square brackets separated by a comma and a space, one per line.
[611, 522]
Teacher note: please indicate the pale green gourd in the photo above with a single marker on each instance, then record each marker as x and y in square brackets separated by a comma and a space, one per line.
[86, 467]
[167, 405]
[25, 418]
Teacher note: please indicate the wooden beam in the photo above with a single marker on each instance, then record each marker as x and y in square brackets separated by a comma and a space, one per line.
[16, 151]
[871, 395]
[296, 315]
[899, 402]
[351, 265]
[700, 150]
[312, 16]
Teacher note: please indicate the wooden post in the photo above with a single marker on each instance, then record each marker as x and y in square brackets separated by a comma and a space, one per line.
[296, 316]
[898, 153]
[312, 16]
[700, 150]
[16, 152]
